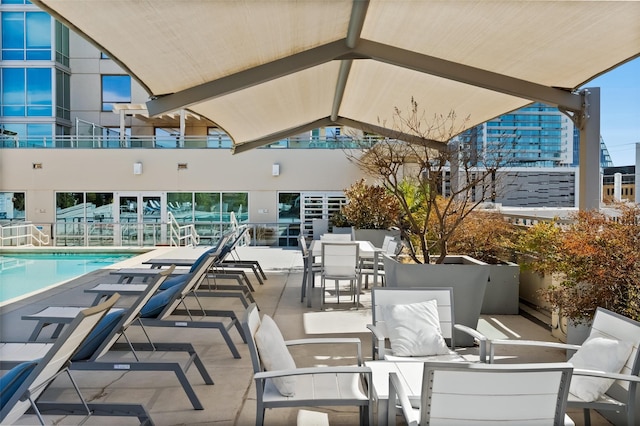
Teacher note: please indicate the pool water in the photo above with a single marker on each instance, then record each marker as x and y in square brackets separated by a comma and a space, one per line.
[22, 275]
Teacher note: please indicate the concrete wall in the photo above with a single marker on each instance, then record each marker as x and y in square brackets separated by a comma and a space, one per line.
[111, 170]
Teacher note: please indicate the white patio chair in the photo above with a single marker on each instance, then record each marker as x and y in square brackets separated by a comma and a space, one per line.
[607, 366]
[335, 237]
[280, 383]
[390, 247]
[319, 227]
[485, 394]
[306, 257]
[416, 324]
[341, 262]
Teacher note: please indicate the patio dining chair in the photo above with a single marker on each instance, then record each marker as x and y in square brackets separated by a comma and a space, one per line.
[341, 262]
[417, 324]
[306, 257]
[484, 394]
[280, 383]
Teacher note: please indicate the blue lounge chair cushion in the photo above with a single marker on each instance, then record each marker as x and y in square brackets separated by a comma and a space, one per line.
[180, 279]
[201, 259]
[13, 379]
[157, 303]
[98, 335]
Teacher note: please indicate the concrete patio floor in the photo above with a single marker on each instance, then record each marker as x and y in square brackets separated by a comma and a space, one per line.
[231, 400]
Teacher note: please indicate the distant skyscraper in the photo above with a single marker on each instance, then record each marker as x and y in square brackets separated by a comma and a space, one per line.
[535, 136]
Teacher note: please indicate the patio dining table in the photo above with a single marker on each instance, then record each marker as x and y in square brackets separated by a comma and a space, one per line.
[366, 250]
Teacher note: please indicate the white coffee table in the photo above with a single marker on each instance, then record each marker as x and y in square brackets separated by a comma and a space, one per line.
[409, 373]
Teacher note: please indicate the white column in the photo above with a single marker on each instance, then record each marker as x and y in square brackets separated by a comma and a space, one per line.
[617, 187]
[589, 188]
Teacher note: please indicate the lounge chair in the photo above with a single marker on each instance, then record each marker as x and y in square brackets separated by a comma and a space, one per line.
[214, 273]
[90, 356]
[227, 246]
[426, 309]
[21, 388]
[279, 383]
[606, 366]
[200, 269]
[160, 310]
[485, 394]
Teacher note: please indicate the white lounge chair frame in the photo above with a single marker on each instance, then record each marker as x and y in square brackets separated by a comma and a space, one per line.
[96, 363]
[55, 362]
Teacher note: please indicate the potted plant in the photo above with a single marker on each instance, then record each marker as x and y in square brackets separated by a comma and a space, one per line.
[371, 210]
[486, 236]
[597, 260]
[437, 186]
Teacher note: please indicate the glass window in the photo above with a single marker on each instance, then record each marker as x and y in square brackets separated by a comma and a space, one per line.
[13, 36]
[115, 89]
[38, 36]
[180, 204]
[235, 202]
[26, 36]
[12, 205]
[13, 92]
[289, 207]
[63, 95]
[26, 92]
[39, 92]
[62, 44]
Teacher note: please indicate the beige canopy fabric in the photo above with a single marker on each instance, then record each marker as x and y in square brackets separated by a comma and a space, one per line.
[266, 69]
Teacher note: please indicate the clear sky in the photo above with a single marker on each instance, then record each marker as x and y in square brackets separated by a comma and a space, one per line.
[620, 111]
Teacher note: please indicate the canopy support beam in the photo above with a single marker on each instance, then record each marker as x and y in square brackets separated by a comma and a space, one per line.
[470, 75]
[274, 137]
[248, 78]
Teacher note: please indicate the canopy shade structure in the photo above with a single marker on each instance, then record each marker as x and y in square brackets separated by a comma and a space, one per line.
[266, 69]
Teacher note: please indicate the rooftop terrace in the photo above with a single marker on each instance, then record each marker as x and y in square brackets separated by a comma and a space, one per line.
[231, 400]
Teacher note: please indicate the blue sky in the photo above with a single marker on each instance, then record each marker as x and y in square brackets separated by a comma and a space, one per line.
[620, 111]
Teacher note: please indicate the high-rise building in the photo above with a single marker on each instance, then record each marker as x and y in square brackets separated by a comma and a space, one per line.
[535, 136]
[35, 96]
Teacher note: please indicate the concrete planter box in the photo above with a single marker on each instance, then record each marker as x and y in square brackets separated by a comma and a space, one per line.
[467, 276]
[502, 295]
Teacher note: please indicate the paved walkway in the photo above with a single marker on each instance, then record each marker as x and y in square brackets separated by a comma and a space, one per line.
[231, 400]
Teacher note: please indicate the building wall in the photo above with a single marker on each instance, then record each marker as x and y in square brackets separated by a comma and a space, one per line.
[107, 170]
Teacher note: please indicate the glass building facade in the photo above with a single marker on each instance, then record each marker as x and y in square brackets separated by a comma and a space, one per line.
[538, 135]
[34, 73]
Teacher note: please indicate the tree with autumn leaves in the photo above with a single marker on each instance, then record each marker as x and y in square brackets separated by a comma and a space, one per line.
[599, 257]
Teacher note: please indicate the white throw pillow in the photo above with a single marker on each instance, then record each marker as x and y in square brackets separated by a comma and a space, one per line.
[275, 355]
[414, 329]
[599, 354]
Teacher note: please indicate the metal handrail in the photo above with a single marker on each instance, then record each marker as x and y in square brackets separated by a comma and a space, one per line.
[24, 234]
[180, 235]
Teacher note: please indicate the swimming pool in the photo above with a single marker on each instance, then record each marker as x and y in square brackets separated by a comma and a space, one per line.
[25, 274]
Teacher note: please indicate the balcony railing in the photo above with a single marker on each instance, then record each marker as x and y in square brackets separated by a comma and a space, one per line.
[174, 142]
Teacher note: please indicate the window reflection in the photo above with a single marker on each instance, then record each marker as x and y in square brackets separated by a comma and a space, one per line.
[115, 89]
[12, 206]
